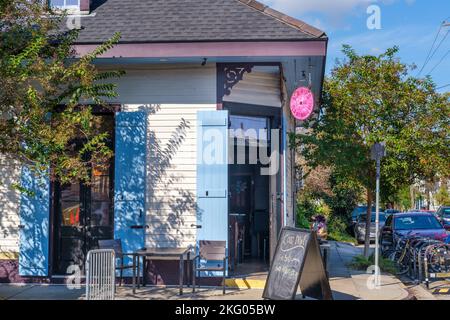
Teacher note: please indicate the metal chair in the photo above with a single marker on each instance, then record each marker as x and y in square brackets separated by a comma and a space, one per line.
[116, 245]
[210, 251]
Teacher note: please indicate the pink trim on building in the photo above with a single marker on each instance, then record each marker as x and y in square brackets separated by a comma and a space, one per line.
[84, 5]
[210, 49]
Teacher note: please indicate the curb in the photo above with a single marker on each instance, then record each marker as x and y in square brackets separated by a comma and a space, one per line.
[411, 295]
[416, 290]
[420, 293]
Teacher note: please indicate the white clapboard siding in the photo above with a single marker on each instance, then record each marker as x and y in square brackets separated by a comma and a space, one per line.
[9, 206]
[290, 162]
[181, 85]
[262, 86]
[171, 96]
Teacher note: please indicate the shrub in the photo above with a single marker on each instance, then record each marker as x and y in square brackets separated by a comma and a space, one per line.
[361, 262]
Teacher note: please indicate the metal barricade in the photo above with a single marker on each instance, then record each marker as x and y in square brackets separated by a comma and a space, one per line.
[100, 274]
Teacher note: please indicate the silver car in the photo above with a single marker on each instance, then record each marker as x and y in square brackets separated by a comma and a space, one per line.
[360, 226]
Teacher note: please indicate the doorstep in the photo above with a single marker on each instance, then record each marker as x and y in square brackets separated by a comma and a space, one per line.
[244, 283]
[255, 280]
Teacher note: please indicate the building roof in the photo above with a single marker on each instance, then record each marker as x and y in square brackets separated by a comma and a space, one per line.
[191, 21]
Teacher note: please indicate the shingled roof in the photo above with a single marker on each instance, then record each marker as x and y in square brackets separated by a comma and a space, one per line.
[191, 21]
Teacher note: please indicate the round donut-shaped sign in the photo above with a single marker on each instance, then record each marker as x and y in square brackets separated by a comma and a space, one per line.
[302, 103]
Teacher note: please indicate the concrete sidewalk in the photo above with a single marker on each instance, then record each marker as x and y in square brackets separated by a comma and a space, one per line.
[349, 284]
[346, 284]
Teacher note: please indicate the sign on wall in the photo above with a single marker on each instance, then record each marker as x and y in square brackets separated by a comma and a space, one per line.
[302, 103]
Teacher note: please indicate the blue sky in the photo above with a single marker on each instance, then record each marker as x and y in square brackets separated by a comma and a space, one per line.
[410, 24]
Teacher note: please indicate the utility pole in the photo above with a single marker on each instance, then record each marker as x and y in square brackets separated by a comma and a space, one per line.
[378, 151]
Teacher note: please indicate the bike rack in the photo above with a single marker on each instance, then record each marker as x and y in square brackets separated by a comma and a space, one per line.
[443, 262]
[420, 250]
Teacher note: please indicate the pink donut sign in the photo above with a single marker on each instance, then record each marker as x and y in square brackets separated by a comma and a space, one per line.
[302, 103]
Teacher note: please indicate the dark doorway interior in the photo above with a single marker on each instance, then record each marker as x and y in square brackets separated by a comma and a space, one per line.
[248, 203]
[84, 212]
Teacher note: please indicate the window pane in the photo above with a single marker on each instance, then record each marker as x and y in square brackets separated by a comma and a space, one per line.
[417, 222]
[250, 127]
[64, 3]
[100, 213]
[100, 184]
[100, 196]
[70, 205]
[57, 3]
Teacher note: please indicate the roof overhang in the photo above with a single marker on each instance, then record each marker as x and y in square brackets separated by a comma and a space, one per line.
[210, 49]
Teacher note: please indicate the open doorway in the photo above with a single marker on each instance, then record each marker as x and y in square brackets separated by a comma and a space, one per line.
[249, 199]
[83, 213]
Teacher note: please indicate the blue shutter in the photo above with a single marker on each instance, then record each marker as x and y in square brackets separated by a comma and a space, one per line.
[34, 224]
[212, 177]
[129, 180]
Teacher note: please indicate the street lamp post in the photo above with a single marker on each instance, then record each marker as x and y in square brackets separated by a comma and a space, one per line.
[378, 151]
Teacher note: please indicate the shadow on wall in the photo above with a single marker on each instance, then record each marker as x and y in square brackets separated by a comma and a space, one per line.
[171, 205]
[19, 209]
[9, 219]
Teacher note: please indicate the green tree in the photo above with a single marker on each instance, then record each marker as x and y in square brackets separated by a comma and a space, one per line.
[45, 92]
[442, 197]
[403, 198]
[369, 99]
[345, 196]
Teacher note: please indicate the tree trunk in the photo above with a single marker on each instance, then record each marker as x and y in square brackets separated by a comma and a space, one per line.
[368, 219]
[411, 194]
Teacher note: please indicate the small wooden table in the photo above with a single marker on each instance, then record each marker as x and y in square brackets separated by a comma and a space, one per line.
[160, 254]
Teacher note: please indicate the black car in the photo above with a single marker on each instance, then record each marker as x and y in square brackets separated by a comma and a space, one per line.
[397, 225]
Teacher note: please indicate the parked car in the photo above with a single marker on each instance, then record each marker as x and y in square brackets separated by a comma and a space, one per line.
[359, 210]
[397, 225]
[360, 226]
[443, 214]
[388, 212]
[426, 210]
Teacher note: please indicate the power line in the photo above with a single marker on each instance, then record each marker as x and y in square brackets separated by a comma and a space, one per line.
[439, 62]
[439, 45]
[445, 86]
[431, 49]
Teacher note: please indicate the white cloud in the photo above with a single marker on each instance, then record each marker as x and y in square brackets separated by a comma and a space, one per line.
[405, 36]
[335, 11]
[329, 7]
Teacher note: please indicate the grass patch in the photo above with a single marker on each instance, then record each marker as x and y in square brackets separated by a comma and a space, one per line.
[337, 230]
[341, 237]
[361, 262]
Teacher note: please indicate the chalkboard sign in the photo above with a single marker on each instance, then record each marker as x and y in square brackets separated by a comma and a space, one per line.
[297, 262]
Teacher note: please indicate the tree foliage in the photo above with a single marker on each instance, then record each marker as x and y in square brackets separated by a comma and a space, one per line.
[369, 99]
[442, 197]
[45, 93]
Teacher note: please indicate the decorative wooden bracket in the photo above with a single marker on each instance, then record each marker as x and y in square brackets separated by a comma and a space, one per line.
[233, 74]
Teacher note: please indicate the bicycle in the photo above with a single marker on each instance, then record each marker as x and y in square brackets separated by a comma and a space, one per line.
[401, 255]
